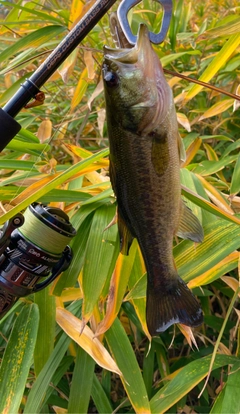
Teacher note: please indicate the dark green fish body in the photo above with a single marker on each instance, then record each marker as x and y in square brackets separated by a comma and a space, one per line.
[145, 175]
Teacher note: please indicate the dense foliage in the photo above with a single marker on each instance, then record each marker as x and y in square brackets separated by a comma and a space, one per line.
[60, 157]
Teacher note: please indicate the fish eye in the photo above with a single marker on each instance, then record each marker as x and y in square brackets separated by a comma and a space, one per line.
[111, 78]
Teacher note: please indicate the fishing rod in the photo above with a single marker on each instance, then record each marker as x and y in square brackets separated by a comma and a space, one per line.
[30, 89]
[27, 263]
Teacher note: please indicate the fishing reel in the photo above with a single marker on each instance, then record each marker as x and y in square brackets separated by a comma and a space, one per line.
[33, 252]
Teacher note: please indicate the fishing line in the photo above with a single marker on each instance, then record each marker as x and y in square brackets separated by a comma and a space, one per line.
[41, 230]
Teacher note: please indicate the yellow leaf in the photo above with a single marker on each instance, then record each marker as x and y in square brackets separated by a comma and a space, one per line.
[32, 188]
[78, 10]
[192, 151]
[101, 116]
[215, 195]
[188, 333]
[73, 326]
[117, 288]
[44, 130]
[70, 294]
[98, 90]
[217, 108]
[80, 89]
[231, 282]
[217, 63]
[89, 62]
[75, 12]
[66, 69]
[183, 120]
[211, 274]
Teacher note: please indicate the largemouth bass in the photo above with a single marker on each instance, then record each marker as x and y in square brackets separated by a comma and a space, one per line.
[145, 152]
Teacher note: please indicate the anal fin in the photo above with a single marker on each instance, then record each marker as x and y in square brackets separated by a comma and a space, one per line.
[189, 225]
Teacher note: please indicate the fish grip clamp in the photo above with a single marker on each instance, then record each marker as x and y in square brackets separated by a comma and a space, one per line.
[155, 38]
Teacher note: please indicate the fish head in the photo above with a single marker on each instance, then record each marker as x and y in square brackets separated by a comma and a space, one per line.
[136, 92]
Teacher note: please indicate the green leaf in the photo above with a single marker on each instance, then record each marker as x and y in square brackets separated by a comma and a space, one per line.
[192, 374]
[78, 244]
[30, 148]
[43, 16]
[46, 332]
[74, 169]
[228, 401]
[235, 184]
[219, 61]
[99, 397]
[100, 258]
[123, 354]
[17, 165]
[40, 386]
[18, 359]
[170, 58]
[220, 239]
[211, 167]
[35, 39]
[206, 205]
[81, 385]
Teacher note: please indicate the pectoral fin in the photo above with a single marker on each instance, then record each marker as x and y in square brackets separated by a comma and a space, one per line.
[189, 226]
[126, 237]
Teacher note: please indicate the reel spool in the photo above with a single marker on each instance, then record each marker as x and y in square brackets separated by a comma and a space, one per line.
[33, 246]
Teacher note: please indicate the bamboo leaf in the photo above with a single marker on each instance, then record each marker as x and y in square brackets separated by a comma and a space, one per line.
[204, 262]
[206, 168]
[38, 391]
[18, 359]
[170, 58]
[80, 89]
[201, 202]
[81, 385]
[33, 40]
[139, 303]
[53, 183]
[193, 373]
[99, 397]
[235, 184]
[82, 223]
[215, 272]
[221, 238]
[132, 380]
[228, 400]
[46, 332]
[219, 61]
[217, 108]
[44, 130]
[117, 288]
[192, 151]
[31, 148]
[86, 339]
[100, 258]
[75, 12]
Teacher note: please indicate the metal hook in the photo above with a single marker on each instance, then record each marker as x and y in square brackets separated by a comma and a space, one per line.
[123, 10]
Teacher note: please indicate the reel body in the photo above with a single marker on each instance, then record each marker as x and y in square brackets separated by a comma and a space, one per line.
[33, 249]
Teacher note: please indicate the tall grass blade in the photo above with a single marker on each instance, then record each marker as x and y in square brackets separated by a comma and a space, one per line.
[17, 359]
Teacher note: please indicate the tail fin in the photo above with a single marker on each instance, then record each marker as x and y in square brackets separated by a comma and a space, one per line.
[174, 305]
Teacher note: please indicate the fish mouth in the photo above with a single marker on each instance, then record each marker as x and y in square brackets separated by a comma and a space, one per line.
[141, 52]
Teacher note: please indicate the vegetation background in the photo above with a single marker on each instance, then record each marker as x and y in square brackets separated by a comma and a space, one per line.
[60, 157]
